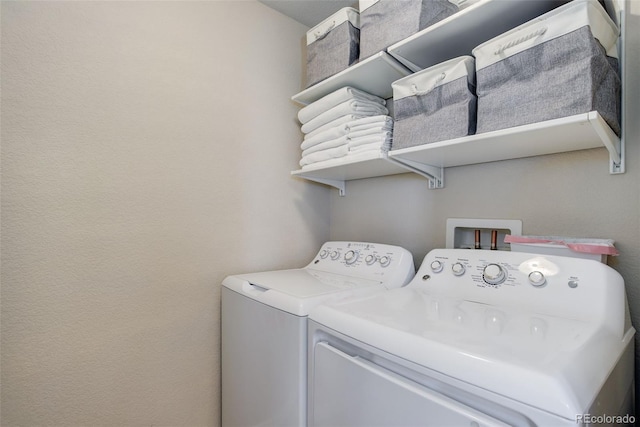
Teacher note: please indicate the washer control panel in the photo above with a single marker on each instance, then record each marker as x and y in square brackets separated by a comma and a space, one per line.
[387, 263]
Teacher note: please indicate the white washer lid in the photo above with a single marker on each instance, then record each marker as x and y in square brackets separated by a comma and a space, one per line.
[297, 291]
[551, 363]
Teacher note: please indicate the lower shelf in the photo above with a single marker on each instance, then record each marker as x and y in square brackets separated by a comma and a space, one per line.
[579, 132]
[337, 171]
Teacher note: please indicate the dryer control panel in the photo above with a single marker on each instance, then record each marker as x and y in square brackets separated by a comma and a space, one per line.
[553, 285]
[391, 265]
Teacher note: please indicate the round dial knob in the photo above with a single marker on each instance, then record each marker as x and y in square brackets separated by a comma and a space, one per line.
[370, 259]
[324, 254]
[536, 278]
[458, 269]
[335, 255]
[385, 261]
[493, 274]
[436, 266]
[350, 257]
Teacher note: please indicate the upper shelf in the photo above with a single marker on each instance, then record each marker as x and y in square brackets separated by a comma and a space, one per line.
[373, 75]
[579, 132]
[458, 34]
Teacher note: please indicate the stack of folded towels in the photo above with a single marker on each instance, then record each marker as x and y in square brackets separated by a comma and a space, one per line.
[347, 121]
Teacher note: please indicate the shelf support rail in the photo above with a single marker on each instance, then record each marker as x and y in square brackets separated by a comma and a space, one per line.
[617, 148]
[434, 174]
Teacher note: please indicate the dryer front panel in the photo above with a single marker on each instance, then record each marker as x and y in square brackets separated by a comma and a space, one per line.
[349, 390]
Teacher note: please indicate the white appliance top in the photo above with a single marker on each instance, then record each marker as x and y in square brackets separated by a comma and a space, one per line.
[339, 269]
[543, 330]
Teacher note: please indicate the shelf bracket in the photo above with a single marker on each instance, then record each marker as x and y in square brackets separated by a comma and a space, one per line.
[615, 147]
[616, 158]
[335, 183]
[434, 174]
[613, 144]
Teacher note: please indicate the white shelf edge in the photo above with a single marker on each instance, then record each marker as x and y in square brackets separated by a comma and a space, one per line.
[373, 75]
[336, 172]
[579, 132]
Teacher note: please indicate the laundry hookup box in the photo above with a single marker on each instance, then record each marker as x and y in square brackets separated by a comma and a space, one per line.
[435, 104]
[385, 22]
[560, 64]
[333, 45]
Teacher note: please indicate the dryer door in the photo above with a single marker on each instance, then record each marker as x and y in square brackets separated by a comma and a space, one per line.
[352, 391]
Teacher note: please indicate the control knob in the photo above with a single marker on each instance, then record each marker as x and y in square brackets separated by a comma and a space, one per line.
[458, 269]
[385, 261]
[350, 257]
[335, 255]
[324, 253]
[370, 259]
[494, 274]
[536, 278]
[437, 266]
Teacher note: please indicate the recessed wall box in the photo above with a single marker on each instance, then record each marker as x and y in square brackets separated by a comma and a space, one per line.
[469, 233]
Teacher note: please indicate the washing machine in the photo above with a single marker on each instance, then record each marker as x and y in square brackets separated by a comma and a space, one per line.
[264, 326]
[478, 338]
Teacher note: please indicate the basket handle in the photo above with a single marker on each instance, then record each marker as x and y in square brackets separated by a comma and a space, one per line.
[320, 35]
[514, 42]
[417, 92]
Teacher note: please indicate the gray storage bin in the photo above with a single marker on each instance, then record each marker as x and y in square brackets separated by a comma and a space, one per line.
[561, 64]
[333, 45]
[385, 22]
[435, 104]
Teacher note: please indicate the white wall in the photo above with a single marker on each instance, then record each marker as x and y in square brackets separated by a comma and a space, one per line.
[146, 151]
[570, 194]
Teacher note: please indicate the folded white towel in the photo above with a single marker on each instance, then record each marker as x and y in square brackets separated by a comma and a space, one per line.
[371, 146]
[371, 131]
[334, 98]
[370, 122]
[334, 123]
[325, 135]
[332, 143]
[321, 155]
[344, 126]
[381, 138]
[362, 108]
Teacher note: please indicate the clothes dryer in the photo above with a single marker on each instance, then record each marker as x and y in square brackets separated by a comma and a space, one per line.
[478, 338]
[264, 326]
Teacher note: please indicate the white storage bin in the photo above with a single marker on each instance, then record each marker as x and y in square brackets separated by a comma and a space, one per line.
[385, 22]
[594, 249]
[435, 104]
[560, 64]
[333, 45]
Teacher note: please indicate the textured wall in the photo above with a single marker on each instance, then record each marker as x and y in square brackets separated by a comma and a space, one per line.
[146, 150]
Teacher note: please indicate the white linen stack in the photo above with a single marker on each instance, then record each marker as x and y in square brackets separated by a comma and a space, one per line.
[343, 122]
[370, 133]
